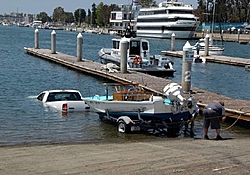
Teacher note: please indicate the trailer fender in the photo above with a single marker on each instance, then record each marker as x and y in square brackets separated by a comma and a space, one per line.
[126, 119]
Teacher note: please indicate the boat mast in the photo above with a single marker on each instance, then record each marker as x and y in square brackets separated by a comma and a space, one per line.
[212, 37]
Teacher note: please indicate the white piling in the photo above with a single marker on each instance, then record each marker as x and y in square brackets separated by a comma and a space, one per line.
[53, 42]
[124, 59]
[79, 47]
[188, 56]
[207, 45]
[172, 42]
[36, 39]
[238, 35]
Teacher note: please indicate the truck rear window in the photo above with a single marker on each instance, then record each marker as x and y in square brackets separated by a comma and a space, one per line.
[64, 96]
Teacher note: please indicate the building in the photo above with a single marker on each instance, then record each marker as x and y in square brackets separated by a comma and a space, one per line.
[124, 16]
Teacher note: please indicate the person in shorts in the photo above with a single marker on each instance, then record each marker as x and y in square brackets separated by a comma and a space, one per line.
[191, 119]
[213, 114]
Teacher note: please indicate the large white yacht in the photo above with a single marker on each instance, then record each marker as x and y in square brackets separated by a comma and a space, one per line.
[171, 16]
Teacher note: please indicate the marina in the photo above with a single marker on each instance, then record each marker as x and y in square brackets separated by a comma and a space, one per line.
[236, 109]
[57, 100]
[25, 76]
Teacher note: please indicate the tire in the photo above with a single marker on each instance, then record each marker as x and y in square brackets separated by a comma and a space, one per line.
[123, 127]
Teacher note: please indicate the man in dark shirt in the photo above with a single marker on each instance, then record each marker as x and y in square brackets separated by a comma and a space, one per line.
[213, 114]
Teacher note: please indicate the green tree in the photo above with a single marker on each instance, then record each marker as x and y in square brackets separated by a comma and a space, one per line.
[69, 17]
[147, 3]
[93, 15]
[88, 17]
[43, 16]
[99, 14]
[58, 15]
[80, 15]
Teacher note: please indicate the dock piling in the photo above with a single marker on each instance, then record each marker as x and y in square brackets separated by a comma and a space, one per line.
[172, 42]
[53, 42]
[79, 46]
[238, 36]
[188, 55]
[36, 39]
[207, 45]
[123, 65]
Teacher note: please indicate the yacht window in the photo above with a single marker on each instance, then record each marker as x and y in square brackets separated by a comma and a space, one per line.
[179, 12]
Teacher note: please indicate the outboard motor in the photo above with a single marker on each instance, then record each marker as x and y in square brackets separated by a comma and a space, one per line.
[169, 64]
[174, 92]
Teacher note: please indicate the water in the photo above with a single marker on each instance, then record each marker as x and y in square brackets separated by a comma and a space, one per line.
[24, 120]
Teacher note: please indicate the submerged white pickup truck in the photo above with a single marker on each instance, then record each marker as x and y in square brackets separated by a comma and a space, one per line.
[63, 100]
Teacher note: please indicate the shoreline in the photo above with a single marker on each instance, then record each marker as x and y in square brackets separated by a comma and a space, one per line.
[158, 156]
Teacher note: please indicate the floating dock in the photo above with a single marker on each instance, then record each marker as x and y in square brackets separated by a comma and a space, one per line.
[238, 111]
[242, 62]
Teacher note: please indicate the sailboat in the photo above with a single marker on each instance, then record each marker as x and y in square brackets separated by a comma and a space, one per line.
[213, 49]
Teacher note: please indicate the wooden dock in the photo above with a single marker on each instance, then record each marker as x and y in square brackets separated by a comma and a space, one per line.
[214, 58]
[236, 109]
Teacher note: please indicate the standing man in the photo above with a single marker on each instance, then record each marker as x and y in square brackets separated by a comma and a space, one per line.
[197, 45]
[213, 114]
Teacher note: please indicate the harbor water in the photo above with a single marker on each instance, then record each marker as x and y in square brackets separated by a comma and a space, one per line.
[24, 120]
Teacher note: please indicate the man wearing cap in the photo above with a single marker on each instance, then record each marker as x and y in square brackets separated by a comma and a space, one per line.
[214, 114]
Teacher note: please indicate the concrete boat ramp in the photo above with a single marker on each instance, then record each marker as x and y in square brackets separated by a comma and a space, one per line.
[236, 109]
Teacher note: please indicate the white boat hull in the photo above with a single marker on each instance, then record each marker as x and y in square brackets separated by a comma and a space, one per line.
[154, 109]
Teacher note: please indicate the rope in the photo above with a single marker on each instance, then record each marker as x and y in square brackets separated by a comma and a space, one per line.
[233, 123]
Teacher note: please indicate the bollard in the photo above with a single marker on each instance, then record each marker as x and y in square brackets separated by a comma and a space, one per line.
[238, 35]
[124, 59]
[207, 45]
[79, 46]
[188, 56]
[53, 42]
[172, 42]
[36, 39]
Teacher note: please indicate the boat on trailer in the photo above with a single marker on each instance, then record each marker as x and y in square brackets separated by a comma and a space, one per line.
[132, 108]
[138, 56]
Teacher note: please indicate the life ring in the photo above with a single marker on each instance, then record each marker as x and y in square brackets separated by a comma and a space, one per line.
[137, 60]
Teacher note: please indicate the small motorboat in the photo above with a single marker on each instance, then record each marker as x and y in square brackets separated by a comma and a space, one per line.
[199, 59]
[213, 49]
[131, 107]
[138, 56]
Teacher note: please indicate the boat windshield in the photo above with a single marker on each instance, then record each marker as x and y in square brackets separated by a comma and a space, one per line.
[116, 44]
[135, 47]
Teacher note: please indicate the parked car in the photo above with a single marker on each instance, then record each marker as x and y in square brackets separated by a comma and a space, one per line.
[63, 100]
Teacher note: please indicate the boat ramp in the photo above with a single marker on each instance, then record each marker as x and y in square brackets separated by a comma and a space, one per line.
[238, 111]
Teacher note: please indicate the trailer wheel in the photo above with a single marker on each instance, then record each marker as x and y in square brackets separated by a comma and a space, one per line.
[123, 127]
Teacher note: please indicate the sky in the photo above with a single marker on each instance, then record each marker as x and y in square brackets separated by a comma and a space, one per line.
[48, 6]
